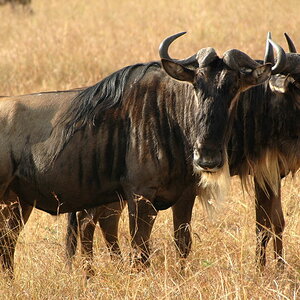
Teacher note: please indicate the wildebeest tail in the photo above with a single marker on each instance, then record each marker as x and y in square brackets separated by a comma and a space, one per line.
[71, 236]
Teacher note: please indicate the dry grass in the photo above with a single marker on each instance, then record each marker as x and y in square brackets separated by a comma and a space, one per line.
[75, 44]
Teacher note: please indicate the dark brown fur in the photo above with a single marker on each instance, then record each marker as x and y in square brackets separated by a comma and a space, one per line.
[265, 143]
[132, 135]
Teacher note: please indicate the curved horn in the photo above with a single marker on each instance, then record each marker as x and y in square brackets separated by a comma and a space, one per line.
[164, 47]
[269, 55]
[292, 47]
[236, 59]
[281, 58]
[165, 44]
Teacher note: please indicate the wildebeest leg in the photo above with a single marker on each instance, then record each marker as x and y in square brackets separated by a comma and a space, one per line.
[108, 217]
[182, 214]
[87, 221]
[278, 224]
[109, 222]
[142, 215]
[71, 237]
[13, 215]
[269, 222]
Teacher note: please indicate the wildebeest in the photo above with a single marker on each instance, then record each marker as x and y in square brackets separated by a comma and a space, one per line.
[264, 143]
[15, 2]
[25, 4]
[138, 134]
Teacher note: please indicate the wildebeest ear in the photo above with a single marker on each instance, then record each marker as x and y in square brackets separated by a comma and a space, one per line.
[256, 76]
[178, 71]
[279, 83]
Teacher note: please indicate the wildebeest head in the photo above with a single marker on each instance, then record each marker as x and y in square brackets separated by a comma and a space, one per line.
[217, 83]
[288, 81]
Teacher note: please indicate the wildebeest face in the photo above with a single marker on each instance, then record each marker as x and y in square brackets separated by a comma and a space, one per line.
[216, 86]
[282, 83]
[287, 83]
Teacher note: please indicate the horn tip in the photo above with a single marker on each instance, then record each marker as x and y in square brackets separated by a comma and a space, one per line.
[271, 41]
[181, 33]
[287, 37]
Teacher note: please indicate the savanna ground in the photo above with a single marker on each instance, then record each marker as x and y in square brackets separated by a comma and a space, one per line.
[68, 44]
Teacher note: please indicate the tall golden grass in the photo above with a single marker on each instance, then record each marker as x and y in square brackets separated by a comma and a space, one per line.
[68, 44]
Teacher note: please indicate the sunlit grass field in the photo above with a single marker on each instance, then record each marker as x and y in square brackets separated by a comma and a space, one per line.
[69, 44]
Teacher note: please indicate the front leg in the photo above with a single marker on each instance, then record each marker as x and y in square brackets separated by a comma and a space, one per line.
[182, 214]
[13, 215]
[87, 221]
[109, 222]
[269, 222]
[142, 215]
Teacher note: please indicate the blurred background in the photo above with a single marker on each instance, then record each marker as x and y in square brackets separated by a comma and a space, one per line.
[75, 43]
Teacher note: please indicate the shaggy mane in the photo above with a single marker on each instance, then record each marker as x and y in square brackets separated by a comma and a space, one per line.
[97, 98]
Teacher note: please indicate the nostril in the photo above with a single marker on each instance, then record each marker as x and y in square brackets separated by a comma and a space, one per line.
[207, 164]
[208, 159]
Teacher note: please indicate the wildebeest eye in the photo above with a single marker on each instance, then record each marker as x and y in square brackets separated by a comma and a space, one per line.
[246, 71]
